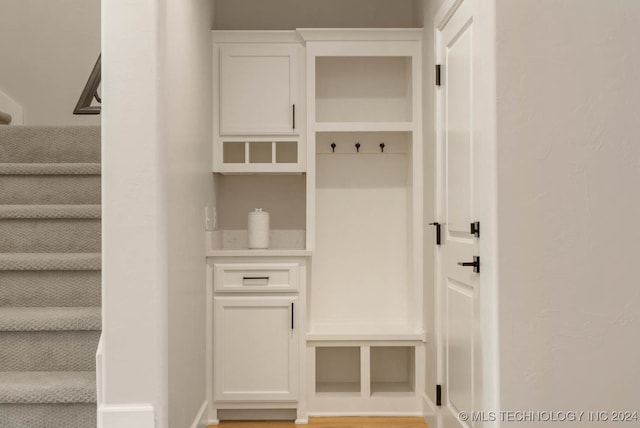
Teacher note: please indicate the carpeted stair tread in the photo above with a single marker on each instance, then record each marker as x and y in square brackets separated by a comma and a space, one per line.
[50, 319]
[50, 261]
[50, 169]
[47, 387]
[49, 143]
[88, 211]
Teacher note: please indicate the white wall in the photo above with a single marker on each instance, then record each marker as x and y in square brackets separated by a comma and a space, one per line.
[47, 50]
[292, 14]
[157, 180]
[134, 216]
[569, 202]
[187, 122]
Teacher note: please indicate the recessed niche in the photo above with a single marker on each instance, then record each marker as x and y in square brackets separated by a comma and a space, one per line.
[260, 152]
[338, 370]
[233, 152]
[392, 370]
[363, 89]
[286, 152]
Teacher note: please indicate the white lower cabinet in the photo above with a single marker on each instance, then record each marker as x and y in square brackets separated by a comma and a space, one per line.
[256, 348]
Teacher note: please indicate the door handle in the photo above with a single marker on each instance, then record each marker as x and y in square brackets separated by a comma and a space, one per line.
[293, 113]
[475, 264]
[292, 317]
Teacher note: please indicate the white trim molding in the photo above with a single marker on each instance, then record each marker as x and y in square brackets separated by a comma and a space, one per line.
[126, 416]
[200, 421]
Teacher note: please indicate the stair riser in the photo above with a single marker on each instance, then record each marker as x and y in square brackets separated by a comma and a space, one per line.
[50, 189]
[46, 145]
[49, 288]
[49, 236]
[48, 350]
[78, 415]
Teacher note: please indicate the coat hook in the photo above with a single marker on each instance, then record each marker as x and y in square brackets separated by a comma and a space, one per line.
[358, 147]
[333, 147]
[382, 147]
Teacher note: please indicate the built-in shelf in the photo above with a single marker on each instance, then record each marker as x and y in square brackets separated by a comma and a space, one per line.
[259, 253]
[392, 370]
[344, 389]
[338, 370]
[363, 89]
[337, 336]
[364, 126]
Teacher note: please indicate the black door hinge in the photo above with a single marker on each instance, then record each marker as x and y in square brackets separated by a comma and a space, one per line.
[438, 74]
[438, 231]
[438, 395]
[475, 229]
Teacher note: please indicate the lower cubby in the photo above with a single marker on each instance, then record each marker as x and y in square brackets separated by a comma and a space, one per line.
[338, 370]
[392, 370]
[360, 378]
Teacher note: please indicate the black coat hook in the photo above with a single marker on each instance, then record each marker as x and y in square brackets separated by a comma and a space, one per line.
[333, 147]
[358, 147]
[382, 147]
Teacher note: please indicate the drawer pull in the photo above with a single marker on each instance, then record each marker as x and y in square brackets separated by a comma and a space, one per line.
[264, 278]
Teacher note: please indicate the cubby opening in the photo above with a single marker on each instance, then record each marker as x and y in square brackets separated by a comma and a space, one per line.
[282, 196]
[363, 89]
[338, 370]
[260, 152]
[286, 152]
[392, 370]
[233, 152]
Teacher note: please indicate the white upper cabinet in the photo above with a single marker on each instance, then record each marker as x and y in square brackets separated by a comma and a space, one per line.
[259, 89]
[259, 120]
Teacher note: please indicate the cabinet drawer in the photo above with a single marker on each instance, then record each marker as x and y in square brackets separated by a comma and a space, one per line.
[255, 277]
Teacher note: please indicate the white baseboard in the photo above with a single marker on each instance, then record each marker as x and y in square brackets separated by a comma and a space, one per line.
[430, 416]
[126, 416]
[200, 421]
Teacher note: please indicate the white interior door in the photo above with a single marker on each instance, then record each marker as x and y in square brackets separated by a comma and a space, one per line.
[459, 321]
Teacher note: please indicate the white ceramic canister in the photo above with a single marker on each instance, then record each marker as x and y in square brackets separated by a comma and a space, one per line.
[258, 229]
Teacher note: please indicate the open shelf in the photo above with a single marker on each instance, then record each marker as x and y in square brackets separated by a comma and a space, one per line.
[363, 89]
[363, 126]
[282, 196]
[392, 370]
[338, 370]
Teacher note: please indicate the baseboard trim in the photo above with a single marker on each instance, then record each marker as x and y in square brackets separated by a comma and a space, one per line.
[200, 421]
[429, 407]
[126, 416]
[429, 411]
[214, 422]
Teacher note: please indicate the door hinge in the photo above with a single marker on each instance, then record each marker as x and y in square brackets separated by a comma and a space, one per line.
[438, 74]
[438, 231]
[475, 229]
[438, 395]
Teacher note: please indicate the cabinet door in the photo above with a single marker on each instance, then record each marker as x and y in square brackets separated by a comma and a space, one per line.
[255, 349]
[258, 89]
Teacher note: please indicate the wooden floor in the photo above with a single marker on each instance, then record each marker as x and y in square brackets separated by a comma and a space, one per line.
[352, 422]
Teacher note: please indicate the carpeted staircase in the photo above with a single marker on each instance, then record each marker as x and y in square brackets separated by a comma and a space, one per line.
[49, 276]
